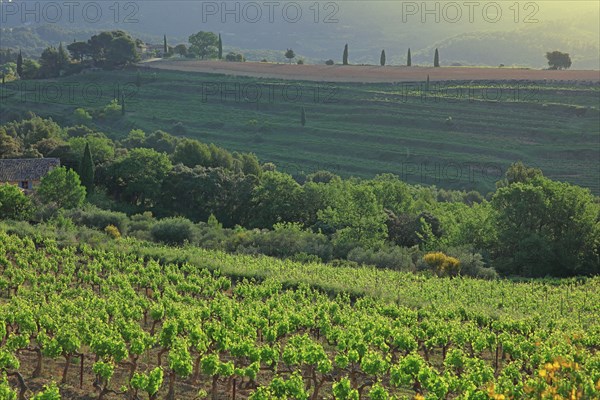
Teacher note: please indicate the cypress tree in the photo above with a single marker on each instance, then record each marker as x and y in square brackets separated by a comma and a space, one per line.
[436, 59]
[345, 57]
[86, 170]
[122, 104]
[303, 117]
[165, 47]
[63, 57]
[220, 48]
[427, 84]
[408, 59]
[382, 58]
[20, 64]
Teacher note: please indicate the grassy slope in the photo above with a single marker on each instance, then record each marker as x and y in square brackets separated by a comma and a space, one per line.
[359, 129]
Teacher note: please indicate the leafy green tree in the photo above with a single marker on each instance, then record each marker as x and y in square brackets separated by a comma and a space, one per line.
[544, 228]
[101, 147]
[8, 70]
[558, 60]
[14, 204]
[122, 51]
[204, 44]
[190, 153]
[161, 141]
[345, 56]
[137, 177]
[382, 58]
[86, 170]
[81, 116]
[79, 50]
[197, 193]
[181, 49]
[113, 49]
[10, 147]
[250, 164]
[20, 64]
[276, 199]
[392, 193]
[408, 59]
[135, 138]
[436, 58]
[356, 215]
[220, 157]
[32, 130]
[31, 69]
[519, 172]
[61, 188]
[289, 54]
[49, 63]
[220, 47]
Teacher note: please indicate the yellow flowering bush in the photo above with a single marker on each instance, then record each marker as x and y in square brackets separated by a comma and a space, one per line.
[442, 264]
[112, 231]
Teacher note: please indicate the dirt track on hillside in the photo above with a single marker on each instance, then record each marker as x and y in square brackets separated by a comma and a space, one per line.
[371, 74]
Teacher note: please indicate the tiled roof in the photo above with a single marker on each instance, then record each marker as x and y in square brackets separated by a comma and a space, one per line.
[26, 169]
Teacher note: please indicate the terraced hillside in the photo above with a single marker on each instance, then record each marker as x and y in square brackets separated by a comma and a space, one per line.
[451, 134]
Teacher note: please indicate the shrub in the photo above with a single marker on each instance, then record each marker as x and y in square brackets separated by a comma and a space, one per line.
[112, 110]
[13, 203]
[288, 239]
[234, 57]
[329, 62]
[395, 257]
[174, 231]
[442, 264]
[344, 263]
[141, 222]
[471, 263]
[94, 217]
[113, 232]
[81, 116]
[306, 258]
[300, 62]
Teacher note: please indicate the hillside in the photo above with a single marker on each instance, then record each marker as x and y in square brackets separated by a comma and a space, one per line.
[457, 135]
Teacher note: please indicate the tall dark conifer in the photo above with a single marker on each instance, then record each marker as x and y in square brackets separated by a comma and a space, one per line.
[86, 170]
[345, 57]
[20, 64]
[408, 59]
[220, 47]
